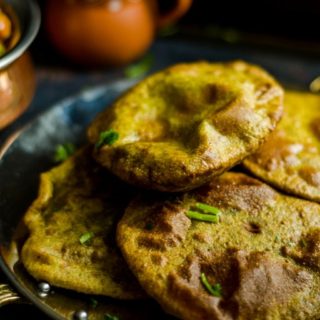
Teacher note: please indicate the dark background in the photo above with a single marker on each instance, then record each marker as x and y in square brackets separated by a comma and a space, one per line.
[295, 19]
[292, 25]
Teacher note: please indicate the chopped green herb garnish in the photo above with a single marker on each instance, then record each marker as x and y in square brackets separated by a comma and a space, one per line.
[214, 290]
[2, 49]
[149, 226]
[108, 137]
[202, 217]
[205, 208]
[140, 68]
[93, 303]
[110, 317]
[86, 238]
[290, 244]
[64, 151]
[303, 243]
[169, 30]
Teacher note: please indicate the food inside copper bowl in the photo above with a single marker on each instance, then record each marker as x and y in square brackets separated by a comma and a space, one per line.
[233, 248]
[9, 28]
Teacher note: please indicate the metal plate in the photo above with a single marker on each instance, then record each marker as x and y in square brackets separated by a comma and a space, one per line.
[31, 150]
[32, 153]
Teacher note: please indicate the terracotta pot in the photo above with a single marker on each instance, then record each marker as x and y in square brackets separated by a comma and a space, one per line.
[101, 32]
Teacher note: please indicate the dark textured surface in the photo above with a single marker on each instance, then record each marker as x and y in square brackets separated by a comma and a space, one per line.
[32, 153]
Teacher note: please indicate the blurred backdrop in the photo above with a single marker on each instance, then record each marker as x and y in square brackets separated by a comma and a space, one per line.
[295, 19]
[287, 24]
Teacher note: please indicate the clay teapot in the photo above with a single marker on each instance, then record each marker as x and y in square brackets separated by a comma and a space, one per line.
[108, 32]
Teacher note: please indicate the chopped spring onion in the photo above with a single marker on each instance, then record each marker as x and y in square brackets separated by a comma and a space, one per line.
[110, 317]
[303, 243]
[64, 151]
[86, 237]
[149, 226]
[140, 68]
[93, 303]
[214, 290]
[108, 137]
[202, 217]
[2, 49]
[207, 209]
[169, 30]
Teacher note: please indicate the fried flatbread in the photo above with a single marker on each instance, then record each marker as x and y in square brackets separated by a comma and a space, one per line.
[264, 252]
[187, 123]
[290, 159]
[75, 199]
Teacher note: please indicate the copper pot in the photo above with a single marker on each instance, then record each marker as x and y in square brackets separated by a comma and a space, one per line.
[17, 77]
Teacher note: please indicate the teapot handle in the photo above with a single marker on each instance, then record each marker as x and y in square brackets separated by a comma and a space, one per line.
[180, 8]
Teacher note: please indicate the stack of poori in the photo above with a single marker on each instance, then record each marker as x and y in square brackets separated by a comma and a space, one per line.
[203, 242]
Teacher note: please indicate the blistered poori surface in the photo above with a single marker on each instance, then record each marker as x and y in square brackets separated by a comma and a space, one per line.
[187, 123]
[77, 198]
[290, 158]
[264, 252]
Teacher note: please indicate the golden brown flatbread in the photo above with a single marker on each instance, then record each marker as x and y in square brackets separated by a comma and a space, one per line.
[261, 260]
[290, 159]
[183, 125]
[72, 230]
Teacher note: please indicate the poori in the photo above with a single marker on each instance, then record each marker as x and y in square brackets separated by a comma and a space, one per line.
[72, 230]
[259, 259]
[181, 126]
[290, 158]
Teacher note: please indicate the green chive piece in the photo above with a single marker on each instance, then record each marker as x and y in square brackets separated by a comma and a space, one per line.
[110, 317]
[140, 68]
[64, 151]
[108, 137]
[214, 290]
[169, 30]
[303, 243]
[202, 217]
[207, 209]
[86, 237]
[2, 49]
[93, 303]
[149, 226]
